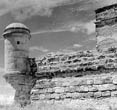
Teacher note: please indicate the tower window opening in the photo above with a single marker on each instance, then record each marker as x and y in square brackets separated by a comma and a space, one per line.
[18, 42]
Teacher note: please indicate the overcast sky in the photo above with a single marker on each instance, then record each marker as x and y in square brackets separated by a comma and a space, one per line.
[56, 25]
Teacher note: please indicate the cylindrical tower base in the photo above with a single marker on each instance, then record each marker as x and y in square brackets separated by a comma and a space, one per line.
[23, 85]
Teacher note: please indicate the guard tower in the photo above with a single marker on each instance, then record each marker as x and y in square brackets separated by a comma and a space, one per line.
[17, 62]
[16, 37]
[106, 27]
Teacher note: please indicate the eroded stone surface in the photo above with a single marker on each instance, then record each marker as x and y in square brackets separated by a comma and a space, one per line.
[23, 85]
[75, 88]
[106, 27]
[76, 64]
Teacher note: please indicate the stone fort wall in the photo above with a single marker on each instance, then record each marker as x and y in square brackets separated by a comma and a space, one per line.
[73, 88]
[94, 78]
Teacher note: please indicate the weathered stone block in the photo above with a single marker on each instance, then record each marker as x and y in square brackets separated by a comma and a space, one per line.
[112, 87]
[66, 89]
[66, 101]
[68, 95]
[48, 96]
[115, 80]
[107, 80]
[42, 96]
[106, 94]
[92, 88]
[83, 82]
[90, 95]
[34, 97]
[90, 81]
[82, 95]
[98, 81]
[63, 96]
[83, 89]
[97, 94]
[67, 83]
[37, 86]
[75, 95]
[55, 96]
[42, 91]
[86, 95]
[58, 83]
[52, 84]
[106, 87]
[50, 90]
[45, 84]
[77, 81]
[34, 91]
[114, 93]
[58, 89]
[71, 89]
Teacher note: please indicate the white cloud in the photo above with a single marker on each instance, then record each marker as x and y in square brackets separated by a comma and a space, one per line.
[61, 29]
[22, 9]
[37, 48]
[71, 49]
[77, 45]
[87, 27]
[66, 51]
[90, 27]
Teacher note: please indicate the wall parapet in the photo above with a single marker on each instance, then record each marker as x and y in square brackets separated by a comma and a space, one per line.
[76, 64]
[92, 75]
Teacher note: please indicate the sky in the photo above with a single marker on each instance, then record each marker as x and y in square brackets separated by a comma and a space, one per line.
[56, 25]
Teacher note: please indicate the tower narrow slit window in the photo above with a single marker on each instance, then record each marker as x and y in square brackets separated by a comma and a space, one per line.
[18, 42]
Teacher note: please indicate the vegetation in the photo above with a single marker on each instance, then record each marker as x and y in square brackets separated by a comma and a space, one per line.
[108, 104]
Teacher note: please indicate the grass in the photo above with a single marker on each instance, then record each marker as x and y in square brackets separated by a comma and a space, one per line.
[108, 104]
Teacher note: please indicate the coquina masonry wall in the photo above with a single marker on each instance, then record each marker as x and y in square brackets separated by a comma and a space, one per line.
[73, 88]
[106, 27]
[85, 74]
[94, 78]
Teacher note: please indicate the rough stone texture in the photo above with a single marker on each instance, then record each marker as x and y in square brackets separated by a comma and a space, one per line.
[75, 88]
[106, 27]
[94, 78]
[19, 68]
[80, 75]
[76, 64]
[23, 85]
[103, 14]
